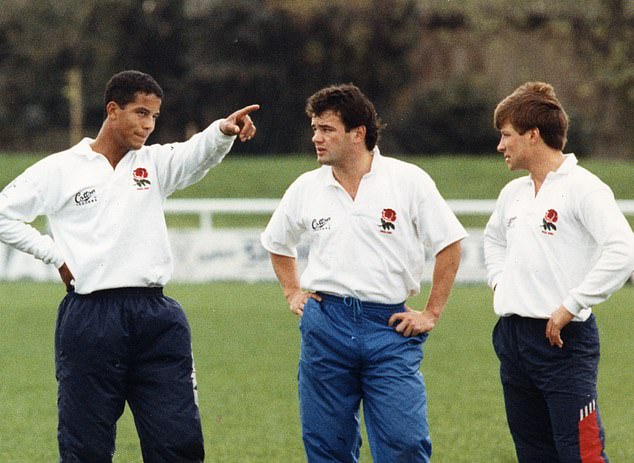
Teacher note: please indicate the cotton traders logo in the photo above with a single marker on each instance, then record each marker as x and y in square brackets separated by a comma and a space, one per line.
[85, 197]
[388, 217]
[321, 224]
[548, 222]
[139, 176]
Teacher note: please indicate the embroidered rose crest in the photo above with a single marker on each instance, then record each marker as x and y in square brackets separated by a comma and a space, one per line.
[139, 175]
[548, 223]
[388, 217]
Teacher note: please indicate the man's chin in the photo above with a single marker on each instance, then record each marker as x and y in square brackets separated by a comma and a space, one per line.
[136, 146]
[323, 159]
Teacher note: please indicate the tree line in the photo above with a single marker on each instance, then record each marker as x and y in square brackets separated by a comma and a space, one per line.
[435, 69]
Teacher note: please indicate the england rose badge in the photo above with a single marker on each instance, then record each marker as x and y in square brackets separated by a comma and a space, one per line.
[388, 218]
[140, 178]
[549, 220]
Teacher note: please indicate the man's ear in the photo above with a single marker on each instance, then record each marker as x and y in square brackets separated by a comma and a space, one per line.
[360, 133]
[535, 135]
[111, 109]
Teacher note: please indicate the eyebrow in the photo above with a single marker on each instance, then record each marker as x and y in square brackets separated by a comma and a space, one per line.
[321, 125]
[146, 109]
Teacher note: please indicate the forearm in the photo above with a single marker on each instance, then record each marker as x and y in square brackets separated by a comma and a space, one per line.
[285, 268]
[612, 270]
[445, 269]
[25, 238]
[183, 164]
[286, 271]
[214, 145]
[413, 323]
[613, 235]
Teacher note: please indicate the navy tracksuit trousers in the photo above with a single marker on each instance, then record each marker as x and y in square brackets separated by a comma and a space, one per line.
[128, 344]
[550, 393]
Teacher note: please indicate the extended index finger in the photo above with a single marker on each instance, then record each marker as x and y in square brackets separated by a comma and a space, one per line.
[240, 113]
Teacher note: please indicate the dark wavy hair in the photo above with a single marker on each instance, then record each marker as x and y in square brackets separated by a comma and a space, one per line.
[354, 108]
[534, 105]
[123, 86]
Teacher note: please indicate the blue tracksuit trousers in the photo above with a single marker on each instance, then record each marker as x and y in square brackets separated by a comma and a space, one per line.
[128, 344]
[350, 355]
[550, 393]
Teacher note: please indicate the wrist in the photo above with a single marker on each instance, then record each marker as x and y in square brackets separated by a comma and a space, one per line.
[434, 311]
[290, 292]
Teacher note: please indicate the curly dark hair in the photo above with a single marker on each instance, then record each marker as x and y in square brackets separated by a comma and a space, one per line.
[354, 108]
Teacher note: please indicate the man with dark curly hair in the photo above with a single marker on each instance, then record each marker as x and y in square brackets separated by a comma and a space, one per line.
[371, 222]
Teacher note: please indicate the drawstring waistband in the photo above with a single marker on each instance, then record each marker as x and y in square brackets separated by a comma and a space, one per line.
[128, 291]
[356, 305]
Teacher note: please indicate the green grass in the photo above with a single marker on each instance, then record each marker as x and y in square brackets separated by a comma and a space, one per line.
[246, 347]
[246, 343]
[457, 177]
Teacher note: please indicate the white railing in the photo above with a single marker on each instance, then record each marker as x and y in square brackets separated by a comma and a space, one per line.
[208, 254]
[206, 208]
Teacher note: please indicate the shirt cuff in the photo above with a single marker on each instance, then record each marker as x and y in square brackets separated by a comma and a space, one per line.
[216, 126]
[573, 306]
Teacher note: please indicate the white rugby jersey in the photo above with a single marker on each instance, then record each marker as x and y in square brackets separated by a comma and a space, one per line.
[372, 248]
[568, 245]
[107, 224]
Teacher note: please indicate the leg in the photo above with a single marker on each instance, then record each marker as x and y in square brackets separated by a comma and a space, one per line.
[394, 396]
[329, 393]
[529, 422]
[526, 409]
[571, 395]
[162, 393]
[90, 361]
[577, 429]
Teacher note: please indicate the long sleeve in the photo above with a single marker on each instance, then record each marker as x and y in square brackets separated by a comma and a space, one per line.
[20, 203]
[182, 164]
[600, 215]
[494, 247]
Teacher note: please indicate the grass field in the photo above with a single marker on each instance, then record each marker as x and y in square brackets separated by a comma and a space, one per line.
[246, 346]
[457, 177]
[246, 343]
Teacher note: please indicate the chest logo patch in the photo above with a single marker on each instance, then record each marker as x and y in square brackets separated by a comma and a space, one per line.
[86, 197]
[140, 178]
[548, 222]
[388, 218]
[320, 224]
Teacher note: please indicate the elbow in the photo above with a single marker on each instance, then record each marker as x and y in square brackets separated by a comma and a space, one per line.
[627, 253]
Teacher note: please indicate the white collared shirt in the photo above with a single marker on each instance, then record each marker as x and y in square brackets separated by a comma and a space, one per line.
[569, 244]
[372, 248]
[107, 224]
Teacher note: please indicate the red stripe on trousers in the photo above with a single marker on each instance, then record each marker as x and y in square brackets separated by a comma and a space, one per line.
[590, 444]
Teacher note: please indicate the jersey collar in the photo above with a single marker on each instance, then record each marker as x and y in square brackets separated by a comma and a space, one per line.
[83, 148]
[568, 165]
[377, 159]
